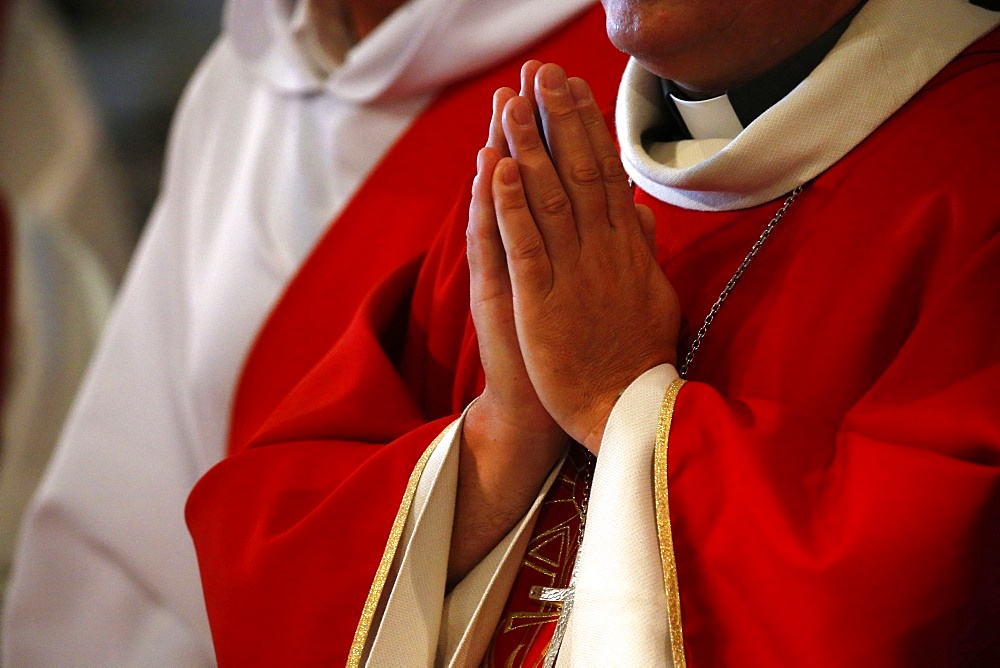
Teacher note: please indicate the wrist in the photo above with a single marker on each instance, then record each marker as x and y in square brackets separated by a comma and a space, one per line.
[592, 420]
[503, 465]
[497, 438]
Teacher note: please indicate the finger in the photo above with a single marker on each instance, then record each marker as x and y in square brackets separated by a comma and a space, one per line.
[484, 247]
[497, 140]
[492, 307]
[527, 259]
[490, 294]
[546, 198]
[528, 73]
[618, 194]
[647, 224]
[569, 143]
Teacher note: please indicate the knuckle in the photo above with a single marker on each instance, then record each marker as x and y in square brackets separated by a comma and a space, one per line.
[530, 142]
[613, 170]
[480, 245]
[478, 231]
[592, 118]
[526, 140]
[473, 235]
[559, 113]
[526, 248]
[585, 173]
[508, 206]
[554, 203]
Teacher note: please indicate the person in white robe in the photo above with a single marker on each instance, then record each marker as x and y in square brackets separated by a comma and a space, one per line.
[278, 128]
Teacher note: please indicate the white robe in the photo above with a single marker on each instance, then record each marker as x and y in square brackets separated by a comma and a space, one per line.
[264, 152]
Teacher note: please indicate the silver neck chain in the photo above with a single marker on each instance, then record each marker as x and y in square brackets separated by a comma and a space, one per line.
[700, 337]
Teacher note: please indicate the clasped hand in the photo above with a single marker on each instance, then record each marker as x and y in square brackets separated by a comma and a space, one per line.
[569, 303]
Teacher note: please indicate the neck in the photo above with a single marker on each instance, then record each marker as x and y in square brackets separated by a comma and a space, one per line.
[364, 16]
[744, 66]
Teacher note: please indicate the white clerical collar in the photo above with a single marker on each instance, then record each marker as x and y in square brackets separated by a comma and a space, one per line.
[887, 54]
[709, 119]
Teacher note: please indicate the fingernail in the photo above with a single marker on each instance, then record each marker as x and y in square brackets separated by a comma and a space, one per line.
[521, 113]
[502, 95]
[580, 90]
[479, 159]
[553, 78]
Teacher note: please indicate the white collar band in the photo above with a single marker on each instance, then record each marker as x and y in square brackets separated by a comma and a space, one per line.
[889, 52]
[709, 119]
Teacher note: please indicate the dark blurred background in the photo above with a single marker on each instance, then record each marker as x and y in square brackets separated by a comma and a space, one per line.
[87, 92]
[136, 56]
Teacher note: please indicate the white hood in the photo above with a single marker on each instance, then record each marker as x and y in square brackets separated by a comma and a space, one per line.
[423, 45]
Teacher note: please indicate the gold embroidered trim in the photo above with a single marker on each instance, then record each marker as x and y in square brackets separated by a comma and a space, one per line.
[382, 574]
[663, 525]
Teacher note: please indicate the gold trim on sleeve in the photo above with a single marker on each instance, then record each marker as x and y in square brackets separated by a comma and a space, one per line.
[382, 574]
[663, 525]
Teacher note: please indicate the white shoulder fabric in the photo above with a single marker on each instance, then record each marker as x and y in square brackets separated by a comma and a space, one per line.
[422, 46]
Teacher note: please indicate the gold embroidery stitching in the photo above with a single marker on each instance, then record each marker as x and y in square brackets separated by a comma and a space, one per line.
[544, 571]
[520, 620]
[382, 574]
[663, 525]
[563, 537]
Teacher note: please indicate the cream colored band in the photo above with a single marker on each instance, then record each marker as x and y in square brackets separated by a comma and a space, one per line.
[663, 527]
[382, 574]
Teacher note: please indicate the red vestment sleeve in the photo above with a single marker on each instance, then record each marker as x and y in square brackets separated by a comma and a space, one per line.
[290, 532]
[834, 463]
[870, 542]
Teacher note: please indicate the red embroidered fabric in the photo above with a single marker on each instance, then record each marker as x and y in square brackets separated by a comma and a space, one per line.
[526, 626]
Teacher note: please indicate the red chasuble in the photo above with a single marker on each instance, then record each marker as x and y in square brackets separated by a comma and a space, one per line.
[834, 463]
[341, 393]
[834, 468]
